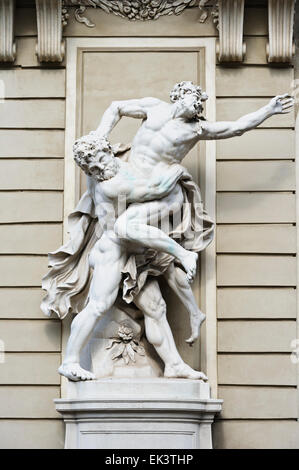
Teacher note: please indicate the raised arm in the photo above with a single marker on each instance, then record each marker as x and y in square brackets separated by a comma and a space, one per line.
[132, 108]
[281, 104]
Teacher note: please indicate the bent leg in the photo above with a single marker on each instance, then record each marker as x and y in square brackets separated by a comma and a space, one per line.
[176, 279]
[159, 334]
[136, 225]
[107, 259]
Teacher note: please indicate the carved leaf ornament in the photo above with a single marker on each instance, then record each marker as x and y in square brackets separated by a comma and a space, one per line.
[124, 346]
[132, 10]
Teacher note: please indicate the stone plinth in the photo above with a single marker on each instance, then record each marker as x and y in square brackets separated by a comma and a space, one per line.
[138, 414]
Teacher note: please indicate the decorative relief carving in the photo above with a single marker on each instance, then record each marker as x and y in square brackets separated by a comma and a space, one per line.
[125, 346]
[7, 44]
[50, 47]
[205, 11]
[280, 47]
[231, 47]
[79, 16]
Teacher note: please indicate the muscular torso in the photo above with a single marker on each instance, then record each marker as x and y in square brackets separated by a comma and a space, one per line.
[160, 142]
[162, 138]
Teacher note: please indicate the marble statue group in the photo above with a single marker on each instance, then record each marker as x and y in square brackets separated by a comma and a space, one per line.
[141, 219]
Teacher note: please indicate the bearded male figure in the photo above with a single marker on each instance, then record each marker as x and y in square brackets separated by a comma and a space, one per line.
[166, 135]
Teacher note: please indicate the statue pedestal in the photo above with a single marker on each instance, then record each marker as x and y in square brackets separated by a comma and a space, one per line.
[138, 414]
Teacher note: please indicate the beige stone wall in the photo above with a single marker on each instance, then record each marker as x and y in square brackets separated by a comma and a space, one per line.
[31, 211]
[256, 263]
[256, 239]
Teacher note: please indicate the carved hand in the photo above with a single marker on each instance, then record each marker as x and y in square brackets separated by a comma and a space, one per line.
[281, 104]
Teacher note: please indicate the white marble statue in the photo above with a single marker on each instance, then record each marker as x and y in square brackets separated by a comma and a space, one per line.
[115, 246]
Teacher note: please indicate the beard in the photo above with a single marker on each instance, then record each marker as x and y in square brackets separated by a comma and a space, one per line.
[192, 111]
[106, 173]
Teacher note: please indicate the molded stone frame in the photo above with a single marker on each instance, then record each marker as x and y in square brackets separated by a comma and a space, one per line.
[206, 47]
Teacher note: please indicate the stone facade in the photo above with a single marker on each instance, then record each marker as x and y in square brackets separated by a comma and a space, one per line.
[256, 233]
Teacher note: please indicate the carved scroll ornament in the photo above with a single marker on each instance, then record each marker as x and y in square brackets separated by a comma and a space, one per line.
[7, 44]
[231, 47]
[281, 47]
[50, 47]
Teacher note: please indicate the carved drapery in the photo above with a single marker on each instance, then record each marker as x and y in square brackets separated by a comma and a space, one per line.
[230, 47]
[281, 47]
[7, 44]
[50, 47]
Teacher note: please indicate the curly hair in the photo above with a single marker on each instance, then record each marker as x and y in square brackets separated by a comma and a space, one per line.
[180, 89]
[89, 151]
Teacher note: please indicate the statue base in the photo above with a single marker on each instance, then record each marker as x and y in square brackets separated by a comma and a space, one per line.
[152, 413]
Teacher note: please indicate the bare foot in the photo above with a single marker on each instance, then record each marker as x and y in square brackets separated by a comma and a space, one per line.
[189, 262]
[183, 371]
[75, 372]
[196, 320]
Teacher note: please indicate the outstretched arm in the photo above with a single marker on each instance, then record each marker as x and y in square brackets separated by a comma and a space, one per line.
[281, 104]
[131, 108]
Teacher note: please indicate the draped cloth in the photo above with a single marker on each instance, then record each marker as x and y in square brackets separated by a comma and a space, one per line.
[68, 281]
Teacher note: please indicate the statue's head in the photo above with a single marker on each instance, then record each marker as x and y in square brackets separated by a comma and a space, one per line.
[189, 97]
[95, 156]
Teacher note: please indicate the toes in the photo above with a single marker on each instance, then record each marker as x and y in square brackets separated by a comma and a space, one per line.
[72, 377]
[75, 373]
[203, 377]
[190, 341]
